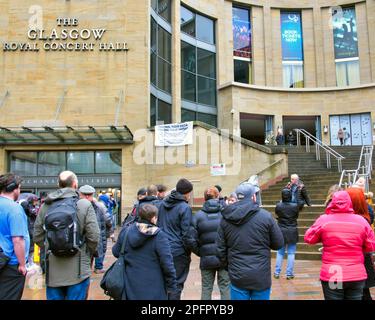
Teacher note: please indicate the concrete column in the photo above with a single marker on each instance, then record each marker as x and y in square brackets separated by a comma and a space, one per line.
[277, 67]
[319, 54]
[310, 80]
[363, 43]
[328, 48]
[3, 161]
[269, 31]
[258, 46]
[370, 6]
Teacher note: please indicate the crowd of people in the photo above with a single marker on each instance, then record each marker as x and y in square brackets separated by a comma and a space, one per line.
[233, 237]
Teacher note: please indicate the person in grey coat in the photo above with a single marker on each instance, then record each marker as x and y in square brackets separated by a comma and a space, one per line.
[105, 225]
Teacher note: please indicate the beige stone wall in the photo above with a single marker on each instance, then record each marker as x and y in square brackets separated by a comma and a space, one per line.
[314, 102]
[93, 80]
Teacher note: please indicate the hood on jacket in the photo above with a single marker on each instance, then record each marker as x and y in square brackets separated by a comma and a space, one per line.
[286, 195]
[173, 199]
[60, 194]
[148, 199]
[240, 212]
[140, 232]
[341, 203]
[212, 206]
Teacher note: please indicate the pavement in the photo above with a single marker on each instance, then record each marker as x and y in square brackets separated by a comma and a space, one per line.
[305, 285]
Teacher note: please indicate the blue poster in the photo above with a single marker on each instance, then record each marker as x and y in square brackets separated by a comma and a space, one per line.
[241, 33]
[345, 33]
[291, 36]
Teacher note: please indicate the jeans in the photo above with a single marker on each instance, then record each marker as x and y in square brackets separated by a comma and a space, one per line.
[242, 294]
[12, 283]
[352, 290]
[208, 279]
[74, 292]
[99, 263]
[291, 249]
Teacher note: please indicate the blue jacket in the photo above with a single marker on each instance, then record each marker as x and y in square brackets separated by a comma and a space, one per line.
[175, 219]
[206, 223]
[150, 272]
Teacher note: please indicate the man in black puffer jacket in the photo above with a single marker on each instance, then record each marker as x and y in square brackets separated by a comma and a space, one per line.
[206, 223]
[246, 236]
[175, 219]
[287, 215]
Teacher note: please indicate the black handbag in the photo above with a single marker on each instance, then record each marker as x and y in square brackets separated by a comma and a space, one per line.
[3, 259]
[113, 282]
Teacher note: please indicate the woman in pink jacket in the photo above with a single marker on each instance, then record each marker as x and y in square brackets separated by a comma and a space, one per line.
[345, 237]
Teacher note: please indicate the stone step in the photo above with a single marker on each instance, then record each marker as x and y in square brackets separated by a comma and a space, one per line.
[303, 255]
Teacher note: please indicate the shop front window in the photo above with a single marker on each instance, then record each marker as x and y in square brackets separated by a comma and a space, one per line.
[51, 163]
[80, 162]
[23, 163]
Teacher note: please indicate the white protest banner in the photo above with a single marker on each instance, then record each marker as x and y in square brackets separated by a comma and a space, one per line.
[174, 134]
[218, 169]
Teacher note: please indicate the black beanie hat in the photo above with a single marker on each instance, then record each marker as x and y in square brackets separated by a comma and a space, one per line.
[184, 186]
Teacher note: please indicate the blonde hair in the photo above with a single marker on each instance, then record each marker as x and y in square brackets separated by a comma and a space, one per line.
[294, 176]
[331, 191]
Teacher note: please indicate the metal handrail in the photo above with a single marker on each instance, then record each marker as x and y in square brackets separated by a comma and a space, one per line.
[354, 175]
[319, 144]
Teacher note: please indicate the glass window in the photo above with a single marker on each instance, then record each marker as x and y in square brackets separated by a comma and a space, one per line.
[206, 91]
[51, 163]
[242, 71]
[164, 112]
[80, 161]
[187, 115]
[205, 29]
[241, 32]
[152, 110]
[154, 5]
[108, 161]
[153, 69]
[164, 44]
[210, 119]
[154, 28]
[188, 59]
[187, 21]
[164, 9]
[164, 75]
[23, 163]
[188, 86]
[293, 75]
[206, 63]
[347, 73]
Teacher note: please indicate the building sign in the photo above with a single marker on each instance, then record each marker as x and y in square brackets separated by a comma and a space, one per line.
[67, 36]
[218, 169]
[241, 33]
[344, 24]
[96, 181]
[291, 36]
[174, 135]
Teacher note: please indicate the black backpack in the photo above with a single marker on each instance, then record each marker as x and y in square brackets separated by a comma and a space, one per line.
[62, 228]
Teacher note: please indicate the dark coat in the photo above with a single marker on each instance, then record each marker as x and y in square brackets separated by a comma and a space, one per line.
[105, 225]
[299, 194]
[150, 273]
[206, 223]
[175, 219]
[287, 215]
[246, 236]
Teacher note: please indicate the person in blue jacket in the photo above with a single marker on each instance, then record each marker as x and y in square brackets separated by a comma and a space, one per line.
[175, 219]
[149, 269]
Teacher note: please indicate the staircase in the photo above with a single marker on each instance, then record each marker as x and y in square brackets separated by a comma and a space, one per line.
[317, 179]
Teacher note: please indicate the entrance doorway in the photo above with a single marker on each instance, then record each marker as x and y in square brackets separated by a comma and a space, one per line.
[256, 127]
[311, 124]
[357, 132]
